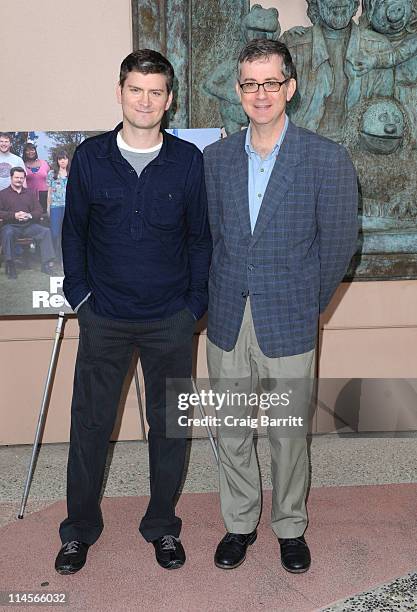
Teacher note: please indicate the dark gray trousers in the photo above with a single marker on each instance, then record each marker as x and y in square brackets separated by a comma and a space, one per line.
[104, 355]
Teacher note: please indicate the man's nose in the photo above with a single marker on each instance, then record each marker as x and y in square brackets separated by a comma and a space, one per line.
[145, 98]
[261, 93]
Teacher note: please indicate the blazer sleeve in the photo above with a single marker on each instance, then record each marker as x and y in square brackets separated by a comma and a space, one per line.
[337, 215]
[212, 195]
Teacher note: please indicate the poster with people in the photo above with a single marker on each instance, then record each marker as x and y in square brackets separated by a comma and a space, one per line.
[34, 170]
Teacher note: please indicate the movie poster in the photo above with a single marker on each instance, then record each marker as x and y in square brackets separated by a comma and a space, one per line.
[27, 287]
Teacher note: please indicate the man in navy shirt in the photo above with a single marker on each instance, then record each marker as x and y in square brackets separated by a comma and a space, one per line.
[136, 250]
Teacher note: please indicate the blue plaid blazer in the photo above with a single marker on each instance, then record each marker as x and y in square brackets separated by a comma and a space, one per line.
[304, 238]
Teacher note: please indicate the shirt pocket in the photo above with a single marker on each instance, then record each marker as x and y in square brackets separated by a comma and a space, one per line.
[167, 210]
[107, 204]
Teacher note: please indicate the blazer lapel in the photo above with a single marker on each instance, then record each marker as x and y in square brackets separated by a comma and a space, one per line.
[282, 177]
[239, 181]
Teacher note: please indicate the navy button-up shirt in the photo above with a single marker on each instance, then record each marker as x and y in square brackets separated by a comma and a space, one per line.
[140, 245]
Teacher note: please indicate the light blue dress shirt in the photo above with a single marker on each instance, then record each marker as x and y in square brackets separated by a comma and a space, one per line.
[259, 173]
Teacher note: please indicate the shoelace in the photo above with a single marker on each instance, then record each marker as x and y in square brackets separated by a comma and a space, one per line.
[233, 537]
[294, 542]
[169, 542]
[71, 547]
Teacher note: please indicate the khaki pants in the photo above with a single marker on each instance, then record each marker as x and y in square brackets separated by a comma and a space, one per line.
[240, 484]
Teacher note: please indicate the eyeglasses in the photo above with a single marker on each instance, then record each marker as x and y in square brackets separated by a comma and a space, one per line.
[269, 86]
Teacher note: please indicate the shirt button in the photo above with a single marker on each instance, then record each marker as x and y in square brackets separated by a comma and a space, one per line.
[259, 195]
[262, 170]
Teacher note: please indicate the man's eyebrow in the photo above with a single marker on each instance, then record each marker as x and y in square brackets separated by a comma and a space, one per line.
[151, 89]
[252, 80]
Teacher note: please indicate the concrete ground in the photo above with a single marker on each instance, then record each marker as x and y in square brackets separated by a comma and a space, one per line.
[336, 461]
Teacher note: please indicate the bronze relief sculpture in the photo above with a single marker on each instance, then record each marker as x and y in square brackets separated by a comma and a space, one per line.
[357, 84]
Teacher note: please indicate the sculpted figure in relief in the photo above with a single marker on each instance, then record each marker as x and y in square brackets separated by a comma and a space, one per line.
[397, 20]
[326, 55]
[377, 135]
[259, 23]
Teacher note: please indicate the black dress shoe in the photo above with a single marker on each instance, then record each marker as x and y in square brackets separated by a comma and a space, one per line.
[71, 557]
[295, 554]
[169, 552]
[231, 551]
[11, 270]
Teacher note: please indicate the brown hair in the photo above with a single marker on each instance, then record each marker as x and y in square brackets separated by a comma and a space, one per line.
[147, 61]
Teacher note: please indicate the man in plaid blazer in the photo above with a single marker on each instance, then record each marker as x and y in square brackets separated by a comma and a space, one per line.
[283, 215]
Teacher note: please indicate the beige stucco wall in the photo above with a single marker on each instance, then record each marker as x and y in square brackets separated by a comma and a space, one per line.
[60, 62]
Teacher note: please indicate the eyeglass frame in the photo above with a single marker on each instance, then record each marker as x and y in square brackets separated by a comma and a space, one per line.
[280, 83]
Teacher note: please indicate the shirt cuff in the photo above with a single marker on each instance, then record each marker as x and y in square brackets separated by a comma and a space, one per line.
[76, 309]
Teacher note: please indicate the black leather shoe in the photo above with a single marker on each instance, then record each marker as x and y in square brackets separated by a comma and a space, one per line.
[169, 552]
[71, 557]
[11, 270]
[231, 551]
[295, 554]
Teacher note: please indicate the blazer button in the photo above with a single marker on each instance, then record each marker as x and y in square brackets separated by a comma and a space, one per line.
[245, 294]
[251, 267]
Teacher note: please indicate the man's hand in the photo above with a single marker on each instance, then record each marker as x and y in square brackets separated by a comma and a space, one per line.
[364, 65]
[296, 31]
[21, 216]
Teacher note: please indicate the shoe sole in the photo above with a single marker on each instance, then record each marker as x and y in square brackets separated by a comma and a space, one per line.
[229, 567]
[220, 566]
[66, 572]
[173, 566]
[295, 571]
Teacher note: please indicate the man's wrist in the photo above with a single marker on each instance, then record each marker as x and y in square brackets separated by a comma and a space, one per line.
[83, 301]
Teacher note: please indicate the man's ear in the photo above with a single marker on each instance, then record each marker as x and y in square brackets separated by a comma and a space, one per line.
[119, 93]
[291, 88]
[238, 90]
[169, 101]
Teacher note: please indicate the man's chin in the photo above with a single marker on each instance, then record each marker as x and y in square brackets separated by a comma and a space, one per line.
[261, 116]
[144, 124]
[339, 21]
[339, 24]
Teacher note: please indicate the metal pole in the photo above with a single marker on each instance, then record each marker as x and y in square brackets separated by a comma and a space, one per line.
[42, 413]
[203, 414]
[142, 420]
